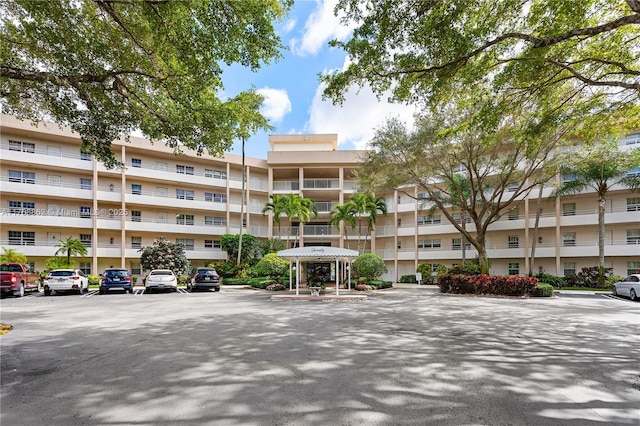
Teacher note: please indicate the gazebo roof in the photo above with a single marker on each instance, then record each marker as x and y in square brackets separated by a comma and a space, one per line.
[320, 253]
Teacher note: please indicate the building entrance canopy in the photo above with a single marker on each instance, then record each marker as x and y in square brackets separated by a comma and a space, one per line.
[335, 254]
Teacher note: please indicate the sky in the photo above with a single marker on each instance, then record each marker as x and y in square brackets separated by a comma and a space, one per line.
[292, 91]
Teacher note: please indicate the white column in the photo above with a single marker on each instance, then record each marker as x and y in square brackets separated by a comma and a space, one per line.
[337, 278]
[290, 275]
[297, 276]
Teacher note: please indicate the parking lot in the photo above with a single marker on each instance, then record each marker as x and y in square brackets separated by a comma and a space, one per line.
[405, 356]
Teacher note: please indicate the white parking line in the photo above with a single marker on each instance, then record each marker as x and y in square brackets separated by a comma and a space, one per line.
[138, 292]
[90, 293]
[183, 291]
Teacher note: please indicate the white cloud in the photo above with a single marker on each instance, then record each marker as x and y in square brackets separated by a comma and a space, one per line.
[289, 26]
[357, 119]
[321, 26]
[276, 103]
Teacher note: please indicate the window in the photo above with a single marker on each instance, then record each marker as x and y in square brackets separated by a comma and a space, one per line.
[633, 139]
[54, 180]
[184, 219]
[456, 244]
[399, 199]
[633, 268]
[514, 241]
[633, 236]
[136, 242]
[136, 216]
[568, 177]
[86, 156]
[136, 268]
[136, 189]
[215, 221]
[85, 239]
[514, 268]
[423, 196]
[54, 209]
[136, 162]
[184, 170]
[634, 172]
[569, 209]
[22, 207]
[161, 191]
[429, 243]
[216, 198]
[85, 211]
[569, 269]
[569, 239]
[184, 194]
[399, 222]
[161, 166]
[212, 244]
[22, 177]
[85, 267]
[186, 242]
[513, 187]
[22, 146]
[161, 217]
[215, 174]
[633, 204]
[19, 238]
[429, 220]
[85, 183]
[514, 214]
[457, 217]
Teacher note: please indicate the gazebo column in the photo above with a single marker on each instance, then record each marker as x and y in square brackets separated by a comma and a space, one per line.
[290, 275]
[297, 276]
[337, 277]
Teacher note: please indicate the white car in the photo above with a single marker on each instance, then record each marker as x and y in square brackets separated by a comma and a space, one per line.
[160, 279]
[62, 280]
[628, 287]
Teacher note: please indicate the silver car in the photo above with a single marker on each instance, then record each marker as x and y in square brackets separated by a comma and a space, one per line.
[628, 287]
[160, 279]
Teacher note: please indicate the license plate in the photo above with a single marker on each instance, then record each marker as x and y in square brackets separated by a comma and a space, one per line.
[61, 280]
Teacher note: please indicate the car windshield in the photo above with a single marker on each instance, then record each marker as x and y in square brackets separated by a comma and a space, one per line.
[161, 273]
[61, 273]
[206, 272]
[115, 273]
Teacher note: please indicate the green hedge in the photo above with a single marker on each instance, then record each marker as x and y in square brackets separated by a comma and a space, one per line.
[258, 282]
[378, 284]
[408, 279]
[543, 290]
[487, 284]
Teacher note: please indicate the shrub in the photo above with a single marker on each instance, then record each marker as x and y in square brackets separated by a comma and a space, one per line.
[229, 269]
[369, 266]
[184, 279]
[164, 254]
[361, 287]
[236, 281]
[261, 282]
[275, 287]
[465, 269]
[612, 280]
[487, 284]
[543, 290]
[555, 281]
[378, 284]
[589, 275]
[94, 279]
[408, 279]
[270, 266]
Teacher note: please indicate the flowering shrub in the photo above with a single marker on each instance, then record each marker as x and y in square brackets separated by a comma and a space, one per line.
[275, 287]
[164, 254]
[487, 284]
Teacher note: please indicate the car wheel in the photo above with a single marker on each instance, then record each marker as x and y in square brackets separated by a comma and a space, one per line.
[47, 292]
[147, 290]
[615, 292]
[20, 291]
[100, 291]
[632, 294]
[217, 289]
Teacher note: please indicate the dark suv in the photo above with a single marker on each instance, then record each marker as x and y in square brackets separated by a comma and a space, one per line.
[116, 279]
[204, 278]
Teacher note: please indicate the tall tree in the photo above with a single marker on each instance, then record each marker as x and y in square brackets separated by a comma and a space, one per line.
[502, 164]
[296, 207]
[106, 68]
[425, 51]
[276, 207]
[600, 168]
[366, 205]
[343, 214]
[71, 247]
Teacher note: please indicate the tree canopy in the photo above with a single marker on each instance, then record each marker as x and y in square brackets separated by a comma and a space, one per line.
[582, 54]
[107, 68]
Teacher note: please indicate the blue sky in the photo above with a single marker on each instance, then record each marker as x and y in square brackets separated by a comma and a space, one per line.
[293, 95]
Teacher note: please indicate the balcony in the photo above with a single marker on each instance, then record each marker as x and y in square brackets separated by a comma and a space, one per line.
[321, 184]
[39, 248]
[318, 230]
[44, 188]
[286, 186]
[48, 160]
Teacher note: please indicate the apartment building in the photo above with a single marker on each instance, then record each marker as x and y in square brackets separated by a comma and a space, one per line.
[50, 191]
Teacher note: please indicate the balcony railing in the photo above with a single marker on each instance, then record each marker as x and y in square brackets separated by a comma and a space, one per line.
[321, 184]
[317, 230]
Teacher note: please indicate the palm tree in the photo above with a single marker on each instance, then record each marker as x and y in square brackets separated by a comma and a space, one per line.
[366, 205]
[12, 256]
[343, 213]
[71, 247]
[296, 207]
[276, 206]
[601, 168]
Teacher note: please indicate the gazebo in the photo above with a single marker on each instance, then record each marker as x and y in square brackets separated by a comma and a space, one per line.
[335, 254]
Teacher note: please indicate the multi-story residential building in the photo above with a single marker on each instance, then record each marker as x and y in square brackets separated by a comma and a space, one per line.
[50, 191]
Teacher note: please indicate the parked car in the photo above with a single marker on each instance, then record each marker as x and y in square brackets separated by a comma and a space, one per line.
[17, 278]
[628, 287]
[160, 279]
[116, 279]
[204, 278]
[60, 280]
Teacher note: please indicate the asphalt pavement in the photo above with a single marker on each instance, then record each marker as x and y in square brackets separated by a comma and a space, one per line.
[407, 355]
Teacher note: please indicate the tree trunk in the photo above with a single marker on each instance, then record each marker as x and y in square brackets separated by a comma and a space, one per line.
[483, 259]
[601, 209]
[463, 217]
[535, 232]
